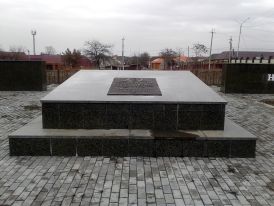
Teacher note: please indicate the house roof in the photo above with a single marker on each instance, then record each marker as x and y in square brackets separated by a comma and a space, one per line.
[85, 62]
[243, 54]
[183, 59]
[112, 62]
[57, 59]
[158, 61]
[49, 59]
[12, 55]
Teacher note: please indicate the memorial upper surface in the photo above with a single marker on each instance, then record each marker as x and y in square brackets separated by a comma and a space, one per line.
[134, 86]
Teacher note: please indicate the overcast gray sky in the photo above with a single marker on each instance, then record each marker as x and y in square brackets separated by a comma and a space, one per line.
[147, 25]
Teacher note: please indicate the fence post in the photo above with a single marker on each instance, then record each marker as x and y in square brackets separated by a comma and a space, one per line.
[58, 76]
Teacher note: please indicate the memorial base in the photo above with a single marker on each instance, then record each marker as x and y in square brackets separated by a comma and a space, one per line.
[33, 140]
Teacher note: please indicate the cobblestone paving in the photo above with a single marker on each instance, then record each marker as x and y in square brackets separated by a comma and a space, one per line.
[138, 180]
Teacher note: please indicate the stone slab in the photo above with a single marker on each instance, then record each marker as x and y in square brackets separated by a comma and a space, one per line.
[233, 141]
[93, 86]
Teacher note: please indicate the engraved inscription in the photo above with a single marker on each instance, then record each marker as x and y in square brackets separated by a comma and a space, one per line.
[134, 86]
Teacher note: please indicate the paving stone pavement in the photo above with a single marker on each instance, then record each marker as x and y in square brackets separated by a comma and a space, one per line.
[138, 180]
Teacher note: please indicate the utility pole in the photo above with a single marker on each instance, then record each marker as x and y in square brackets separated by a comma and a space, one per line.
[123, 47]
[137, 61]
[33, 33]
[187, 56]
[209, 63]
[230, 49]
[179, 63]
[241, 25]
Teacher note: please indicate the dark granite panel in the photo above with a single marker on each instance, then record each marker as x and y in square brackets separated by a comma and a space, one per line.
[158, 107]
[22, 76]
[132, 116]
[214, 107]
[117, 107]
[71, 116]
[144, 116]
[50, 115]
[115, 147]
[243, 148]
[218, 148]
[194, 148]
[63, 146]
[117, 116]
[212, 120]
[168, 148]
[189, 120]
[170, 107]
[165, 120]
[142, 120]
[89, 147]
[247, 78]
[141, 147]
[29, 146]
[94, 116]
[191, 107]
[94, 106]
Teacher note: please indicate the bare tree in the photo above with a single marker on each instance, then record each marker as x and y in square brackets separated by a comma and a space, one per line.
[71, 58]
[16, 52]
[97, 51]
[199, 49]
[144, 59]
[49, 50]
[168, 55]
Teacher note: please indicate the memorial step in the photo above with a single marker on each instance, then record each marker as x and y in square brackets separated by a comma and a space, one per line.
[33, 140]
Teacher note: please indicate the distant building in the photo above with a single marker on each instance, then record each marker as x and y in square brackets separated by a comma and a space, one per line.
[12, 56]
[243, 55]
[112, 63]
[158, 63]
[52, 62]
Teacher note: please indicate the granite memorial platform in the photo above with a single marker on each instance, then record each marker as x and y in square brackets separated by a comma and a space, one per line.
[133, 100]
[133, 113]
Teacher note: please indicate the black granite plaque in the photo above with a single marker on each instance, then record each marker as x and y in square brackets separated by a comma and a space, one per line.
[135, 86]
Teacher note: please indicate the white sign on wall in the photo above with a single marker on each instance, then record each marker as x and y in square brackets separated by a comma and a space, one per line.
[270, 78]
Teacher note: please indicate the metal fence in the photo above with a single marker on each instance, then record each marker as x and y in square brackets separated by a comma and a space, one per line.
[210, 77]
